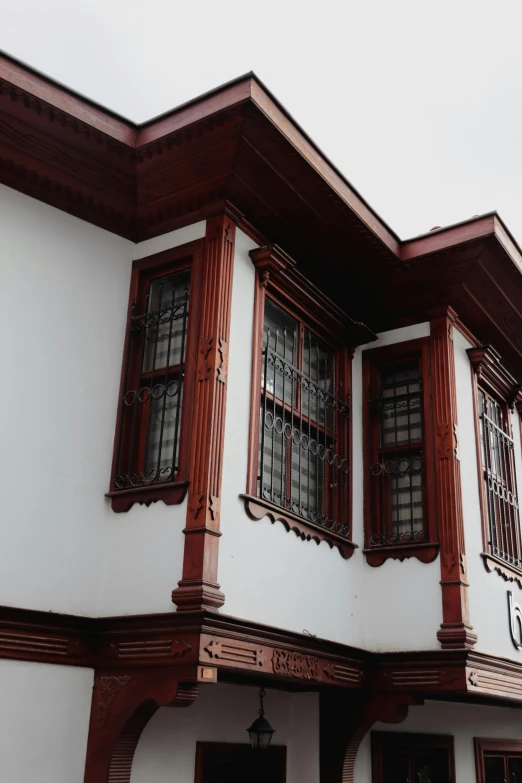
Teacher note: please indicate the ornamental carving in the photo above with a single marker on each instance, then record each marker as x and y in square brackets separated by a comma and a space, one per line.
[235, 652]
[108, 689]
[293, 664]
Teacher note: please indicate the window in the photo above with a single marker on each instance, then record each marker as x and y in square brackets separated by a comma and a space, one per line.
[498, 760]
[303, 460]
[495, 391]
[403, 758]
[397, 442]
[498, 465]
[148, 445]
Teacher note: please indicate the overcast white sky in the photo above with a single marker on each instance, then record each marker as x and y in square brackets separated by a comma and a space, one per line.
[418, 103]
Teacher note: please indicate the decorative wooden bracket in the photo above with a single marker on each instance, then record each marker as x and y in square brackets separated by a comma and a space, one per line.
[122, 705]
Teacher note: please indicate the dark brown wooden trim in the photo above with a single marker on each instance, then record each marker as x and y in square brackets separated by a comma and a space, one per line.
[401, 742]
[257, 508]
[493, 376]
[425, 551]
[198, 588]
[496, 746]
[456, 629]
[508, 572]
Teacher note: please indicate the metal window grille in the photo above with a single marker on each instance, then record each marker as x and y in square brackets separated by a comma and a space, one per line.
[150, 409]
[498, 461]
[398, 482]
[303, 460]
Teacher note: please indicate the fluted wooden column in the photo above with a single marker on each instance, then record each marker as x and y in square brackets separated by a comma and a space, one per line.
[455, 630]
[198, 588]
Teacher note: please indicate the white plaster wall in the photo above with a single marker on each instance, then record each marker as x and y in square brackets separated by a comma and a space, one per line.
[463, 721]
[488, 605]
[144, 547]
[221, 713]
[269, 575]
[65, 288]
[44, 715]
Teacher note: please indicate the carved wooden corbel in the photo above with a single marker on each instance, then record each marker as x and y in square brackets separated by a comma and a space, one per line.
[122, 705]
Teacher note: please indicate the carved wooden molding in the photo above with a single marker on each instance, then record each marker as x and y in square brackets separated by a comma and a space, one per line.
[278, 272]
[507, 572]
[487, 365]
[456, 630]
[425, 552]
[198, 587]
[293, 664]
[258, 508]
[107, 689]
[171, 494]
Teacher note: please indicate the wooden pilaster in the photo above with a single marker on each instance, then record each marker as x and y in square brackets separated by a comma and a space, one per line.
[198, 588]
[455, 630]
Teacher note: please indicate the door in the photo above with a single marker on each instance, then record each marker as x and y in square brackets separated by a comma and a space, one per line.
[221, 762]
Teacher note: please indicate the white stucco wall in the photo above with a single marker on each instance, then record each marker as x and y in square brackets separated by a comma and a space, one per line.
[65, 288]
[463, 721]
[269, 575]
[221, 713]
[487, 591]
[143, 547]
[44, 714]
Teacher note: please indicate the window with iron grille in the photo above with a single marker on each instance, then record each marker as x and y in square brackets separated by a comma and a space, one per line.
[397, 433]
[500, 488]
[148, 442]
[304, 424]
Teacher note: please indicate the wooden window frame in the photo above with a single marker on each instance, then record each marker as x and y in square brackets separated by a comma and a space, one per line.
[373, 360]
[501, 747]
[488, 374]
[177, 259]
[303, 301]
[406, 741]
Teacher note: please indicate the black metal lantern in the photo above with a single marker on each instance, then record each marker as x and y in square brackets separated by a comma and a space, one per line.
[260, 732]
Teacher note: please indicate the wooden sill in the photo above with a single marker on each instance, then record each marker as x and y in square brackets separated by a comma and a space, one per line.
[257, 508]
[508, 572]
[426, 552]
[171, 494]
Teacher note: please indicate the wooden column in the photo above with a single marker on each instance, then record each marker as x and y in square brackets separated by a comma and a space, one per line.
[455, 630]
[198, 588]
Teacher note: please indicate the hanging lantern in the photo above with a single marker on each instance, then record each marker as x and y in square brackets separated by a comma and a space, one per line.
[260, 732]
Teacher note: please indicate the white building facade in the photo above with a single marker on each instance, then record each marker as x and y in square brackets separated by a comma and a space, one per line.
[252, 440]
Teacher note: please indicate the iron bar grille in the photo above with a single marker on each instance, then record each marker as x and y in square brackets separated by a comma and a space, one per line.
[150, 410]
[397, 477]
[303, 461]
[498, 460]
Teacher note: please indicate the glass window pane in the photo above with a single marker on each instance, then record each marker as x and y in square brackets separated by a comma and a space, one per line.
[162, 447]
[401, 404]
[494, 769]
[166, 321]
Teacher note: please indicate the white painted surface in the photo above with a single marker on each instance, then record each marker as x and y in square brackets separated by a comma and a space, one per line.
[487, 592]
[463, 721]
[65, 287]
[270, 576]
[221, 713]
[172, 239]
[44, 714]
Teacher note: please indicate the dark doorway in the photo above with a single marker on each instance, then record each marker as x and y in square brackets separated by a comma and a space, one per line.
[222, 762]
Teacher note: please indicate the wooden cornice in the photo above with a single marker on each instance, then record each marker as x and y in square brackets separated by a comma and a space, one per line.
[237, 150]
[487, 365]
[207, 646]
